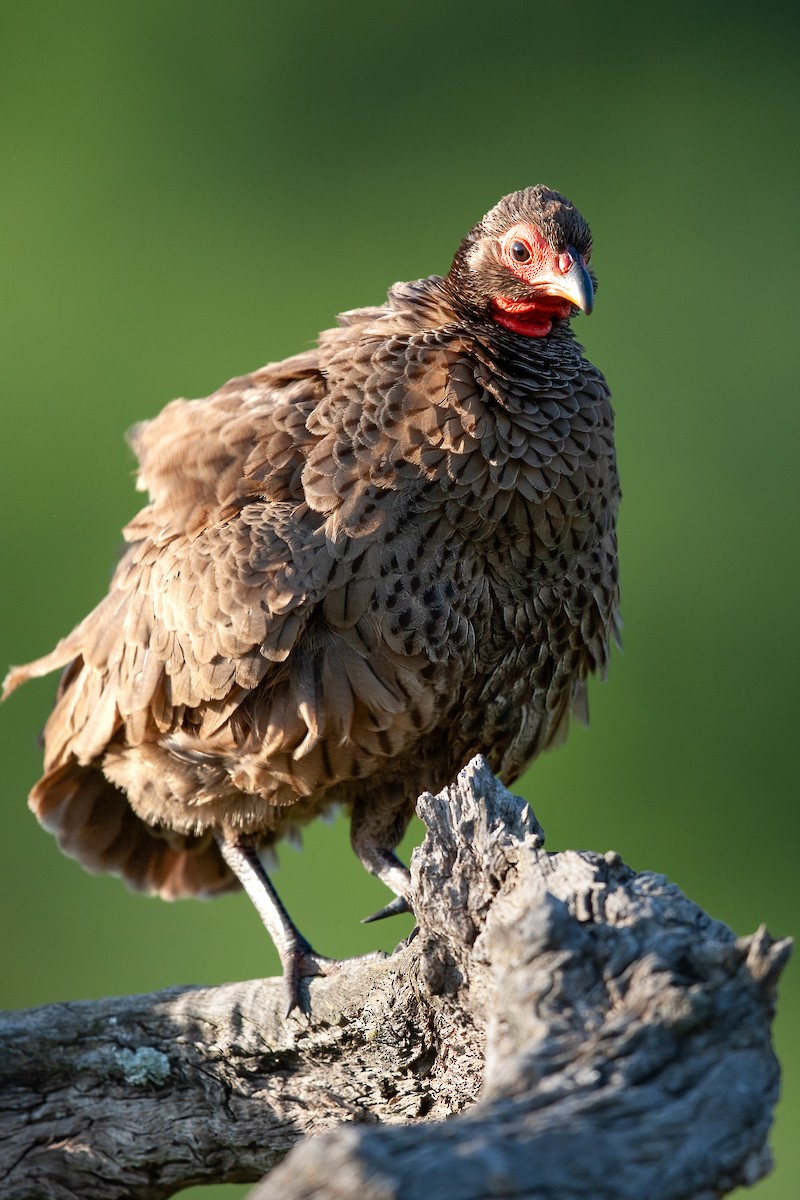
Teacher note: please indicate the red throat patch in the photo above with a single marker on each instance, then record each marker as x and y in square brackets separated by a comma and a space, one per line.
[530, 318]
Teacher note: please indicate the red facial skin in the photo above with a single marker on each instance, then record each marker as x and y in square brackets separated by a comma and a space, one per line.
[532, 318]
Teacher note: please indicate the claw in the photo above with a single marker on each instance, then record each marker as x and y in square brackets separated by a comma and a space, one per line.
[392, 909]
[301, 962]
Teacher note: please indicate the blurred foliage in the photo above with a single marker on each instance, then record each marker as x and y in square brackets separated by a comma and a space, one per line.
[189, 190]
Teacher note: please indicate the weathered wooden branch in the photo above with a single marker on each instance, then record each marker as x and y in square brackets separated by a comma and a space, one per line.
[594, 1032]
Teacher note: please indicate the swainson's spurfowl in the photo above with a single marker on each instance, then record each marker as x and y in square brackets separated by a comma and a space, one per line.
[357, 568]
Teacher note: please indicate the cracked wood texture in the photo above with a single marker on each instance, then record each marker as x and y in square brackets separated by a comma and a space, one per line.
[588, 1031]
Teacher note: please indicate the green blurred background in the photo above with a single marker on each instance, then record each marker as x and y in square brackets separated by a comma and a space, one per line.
[191, 189]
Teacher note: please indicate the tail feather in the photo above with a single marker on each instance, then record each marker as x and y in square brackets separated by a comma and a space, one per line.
[93, 822]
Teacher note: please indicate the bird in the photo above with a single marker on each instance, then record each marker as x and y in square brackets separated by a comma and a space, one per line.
[355, 569]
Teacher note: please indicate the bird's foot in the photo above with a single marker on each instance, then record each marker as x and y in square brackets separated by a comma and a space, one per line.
[300, 962]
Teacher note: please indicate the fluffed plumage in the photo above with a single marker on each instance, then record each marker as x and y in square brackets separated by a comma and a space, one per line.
[357, 568]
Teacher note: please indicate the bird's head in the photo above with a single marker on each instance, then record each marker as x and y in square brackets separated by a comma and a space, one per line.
[526, 263]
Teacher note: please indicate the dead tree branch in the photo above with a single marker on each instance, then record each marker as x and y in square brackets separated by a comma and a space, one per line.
[593, 1031]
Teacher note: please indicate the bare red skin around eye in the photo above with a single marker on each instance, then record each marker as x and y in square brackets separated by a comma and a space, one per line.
[541, 259]
[530, 318]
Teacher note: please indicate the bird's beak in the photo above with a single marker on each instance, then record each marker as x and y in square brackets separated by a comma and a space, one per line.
[571, 281]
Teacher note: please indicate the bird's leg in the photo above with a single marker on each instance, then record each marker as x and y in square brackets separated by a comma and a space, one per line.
[298, 959]
[375, 828]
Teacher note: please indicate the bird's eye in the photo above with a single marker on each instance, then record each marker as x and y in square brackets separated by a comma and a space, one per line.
[520, 252]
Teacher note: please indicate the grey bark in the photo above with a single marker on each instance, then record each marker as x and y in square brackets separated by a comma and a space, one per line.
[588, 1031]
